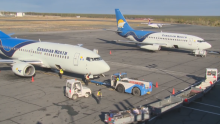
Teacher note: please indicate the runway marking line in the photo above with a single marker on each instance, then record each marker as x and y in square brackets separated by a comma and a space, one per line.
[201, 110]
[207, 104]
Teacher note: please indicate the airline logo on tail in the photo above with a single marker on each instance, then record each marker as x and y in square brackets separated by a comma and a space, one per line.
[121, 23]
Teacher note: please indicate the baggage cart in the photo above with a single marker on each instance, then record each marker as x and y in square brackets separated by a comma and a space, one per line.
[127, 116]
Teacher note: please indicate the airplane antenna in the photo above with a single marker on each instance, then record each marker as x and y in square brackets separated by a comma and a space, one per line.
[39, 40]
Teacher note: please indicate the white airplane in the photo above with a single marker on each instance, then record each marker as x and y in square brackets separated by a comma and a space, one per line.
[154, 25]
[155, 40]
[26, 53]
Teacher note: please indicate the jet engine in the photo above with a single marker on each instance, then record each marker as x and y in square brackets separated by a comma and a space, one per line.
[23, 69]
[153, 47]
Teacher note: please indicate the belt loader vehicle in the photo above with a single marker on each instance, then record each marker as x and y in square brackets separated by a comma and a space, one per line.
[211, 77]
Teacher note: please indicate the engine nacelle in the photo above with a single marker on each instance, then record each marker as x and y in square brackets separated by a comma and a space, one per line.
[151, 47]
[23, 69]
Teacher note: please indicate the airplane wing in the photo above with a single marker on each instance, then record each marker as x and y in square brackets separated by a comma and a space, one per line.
[12, 61]
[145, 23]
[155, 23]
[160, 44]
[165, 24]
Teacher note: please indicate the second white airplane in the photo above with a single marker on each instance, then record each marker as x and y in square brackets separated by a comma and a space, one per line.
[154, 25]
[155, 40]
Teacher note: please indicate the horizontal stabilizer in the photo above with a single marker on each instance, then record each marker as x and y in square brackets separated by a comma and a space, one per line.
[3, 35]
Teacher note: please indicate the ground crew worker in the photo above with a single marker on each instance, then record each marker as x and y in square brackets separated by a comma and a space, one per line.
[117, 79]
[87, 79]
[99, 95]
[61, 73]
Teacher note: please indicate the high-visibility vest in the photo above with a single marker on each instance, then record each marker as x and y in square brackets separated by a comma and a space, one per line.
[117, 79]
[61, 71]
[99, 93]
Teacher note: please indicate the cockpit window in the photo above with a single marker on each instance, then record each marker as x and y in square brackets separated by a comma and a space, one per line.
[93, 59]
[200, 41]
[97, 59]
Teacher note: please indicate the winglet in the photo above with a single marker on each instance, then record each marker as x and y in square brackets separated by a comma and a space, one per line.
[3, 35]
[80, 45]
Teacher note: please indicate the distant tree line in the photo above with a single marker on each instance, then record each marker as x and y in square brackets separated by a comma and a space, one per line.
[195, 20]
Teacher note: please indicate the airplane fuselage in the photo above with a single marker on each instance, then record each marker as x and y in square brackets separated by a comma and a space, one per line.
[71, 58]
[170, 40]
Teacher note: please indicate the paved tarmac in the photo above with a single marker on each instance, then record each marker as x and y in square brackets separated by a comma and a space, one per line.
[43, 101]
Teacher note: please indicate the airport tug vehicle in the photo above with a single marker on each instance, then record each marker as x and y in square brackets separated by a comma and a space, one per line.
[74, 89]
[122, 83]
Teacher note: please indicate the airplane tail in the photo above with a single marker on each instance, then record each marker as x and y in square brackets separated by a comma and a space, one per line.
[121, 21]
[3, 35]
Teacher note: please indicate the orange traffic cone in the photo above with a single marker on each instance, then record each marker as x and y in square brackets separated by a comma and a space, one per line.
[156, 85]
[200, 88]
[32, 79]
[210, 82]
[110, 52]
[173, 91]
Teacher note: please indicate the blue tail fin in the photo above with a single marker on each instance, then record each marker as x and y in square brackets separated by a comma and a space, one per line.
[3, 35]
[121, 21]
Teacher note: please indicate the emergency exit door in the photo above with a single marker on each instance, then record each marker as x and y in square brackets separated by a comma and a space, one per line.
[75, 59]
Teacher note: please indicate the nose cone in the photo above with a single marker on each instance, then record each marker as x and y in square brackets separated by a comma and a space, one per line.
[208, 45]
[99, 67]
[105, 67]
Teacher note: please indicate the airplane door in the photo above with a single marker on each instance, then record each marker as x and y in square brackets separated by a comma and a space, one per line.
[31, 52]
[75, 59]
[190, 41]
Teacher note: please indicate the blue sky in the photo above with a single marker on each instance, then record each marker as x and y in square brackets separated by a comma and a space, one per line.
[137, 7]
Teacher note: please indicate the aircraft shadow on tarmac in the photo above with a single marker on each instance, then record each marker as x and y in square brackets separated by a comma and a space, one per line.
[196, 78]
[134, 46]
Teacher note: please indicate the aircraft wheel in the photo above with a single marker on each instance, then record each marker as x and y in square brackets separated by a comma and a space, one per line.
[120, 88]
[136, 92]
